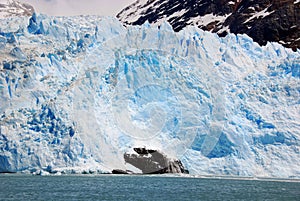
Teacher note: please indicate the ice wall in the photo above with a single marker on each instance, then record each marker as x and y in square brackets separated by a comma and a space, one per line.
[78, 92]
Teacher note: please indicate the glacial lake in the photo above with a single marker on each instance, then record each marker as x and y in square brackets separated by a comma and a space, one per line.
[150, 187]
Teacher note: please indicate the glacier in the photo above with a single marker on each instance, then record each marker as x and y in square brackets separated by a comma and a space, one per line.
[78, 92]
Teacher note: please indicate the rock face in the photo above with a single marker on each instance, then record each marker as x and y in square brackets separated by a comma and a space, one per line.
[154, 162]
[267, 20]
[12, 8]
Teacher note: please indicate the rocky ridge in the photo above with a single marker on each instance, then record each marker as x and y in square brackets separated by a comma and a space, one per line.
[267, 20]
[12, 8]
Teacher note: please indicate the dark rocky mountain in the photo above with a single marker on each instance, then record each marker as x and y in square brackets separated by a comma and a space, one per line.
[12, 8]
[265, 20]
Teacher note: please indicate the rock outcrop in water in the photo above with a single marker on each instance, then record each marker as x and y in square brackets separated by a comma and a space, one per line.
[151, 161]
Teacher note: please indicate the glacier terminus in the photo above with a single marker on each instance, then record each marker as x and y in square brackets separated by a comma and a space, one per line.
[76, 93]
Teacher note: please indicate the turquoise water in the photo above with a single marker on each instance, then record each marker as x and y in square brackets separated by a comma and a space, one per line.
[111, 187]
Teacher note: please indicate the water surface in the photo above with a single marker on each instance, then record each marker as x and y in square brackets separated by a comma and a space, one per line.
[115, 187]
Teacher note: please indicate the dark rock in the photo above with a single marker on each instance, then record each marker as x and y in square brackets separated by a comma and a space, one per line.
[154, 162]
[118, 171]
[143, 150]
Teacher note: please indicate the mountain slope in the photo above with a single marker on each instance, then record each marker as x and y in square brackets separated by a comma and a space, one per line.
[77, 93]
[12, 8]
[268, 20]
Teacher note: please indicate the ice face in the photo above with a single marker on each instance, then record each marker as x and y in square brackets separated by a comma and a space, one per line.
[78, 92]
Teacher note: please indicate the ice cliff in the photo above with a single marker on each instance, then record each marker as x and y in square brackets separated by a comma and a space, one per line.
[76, 93]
